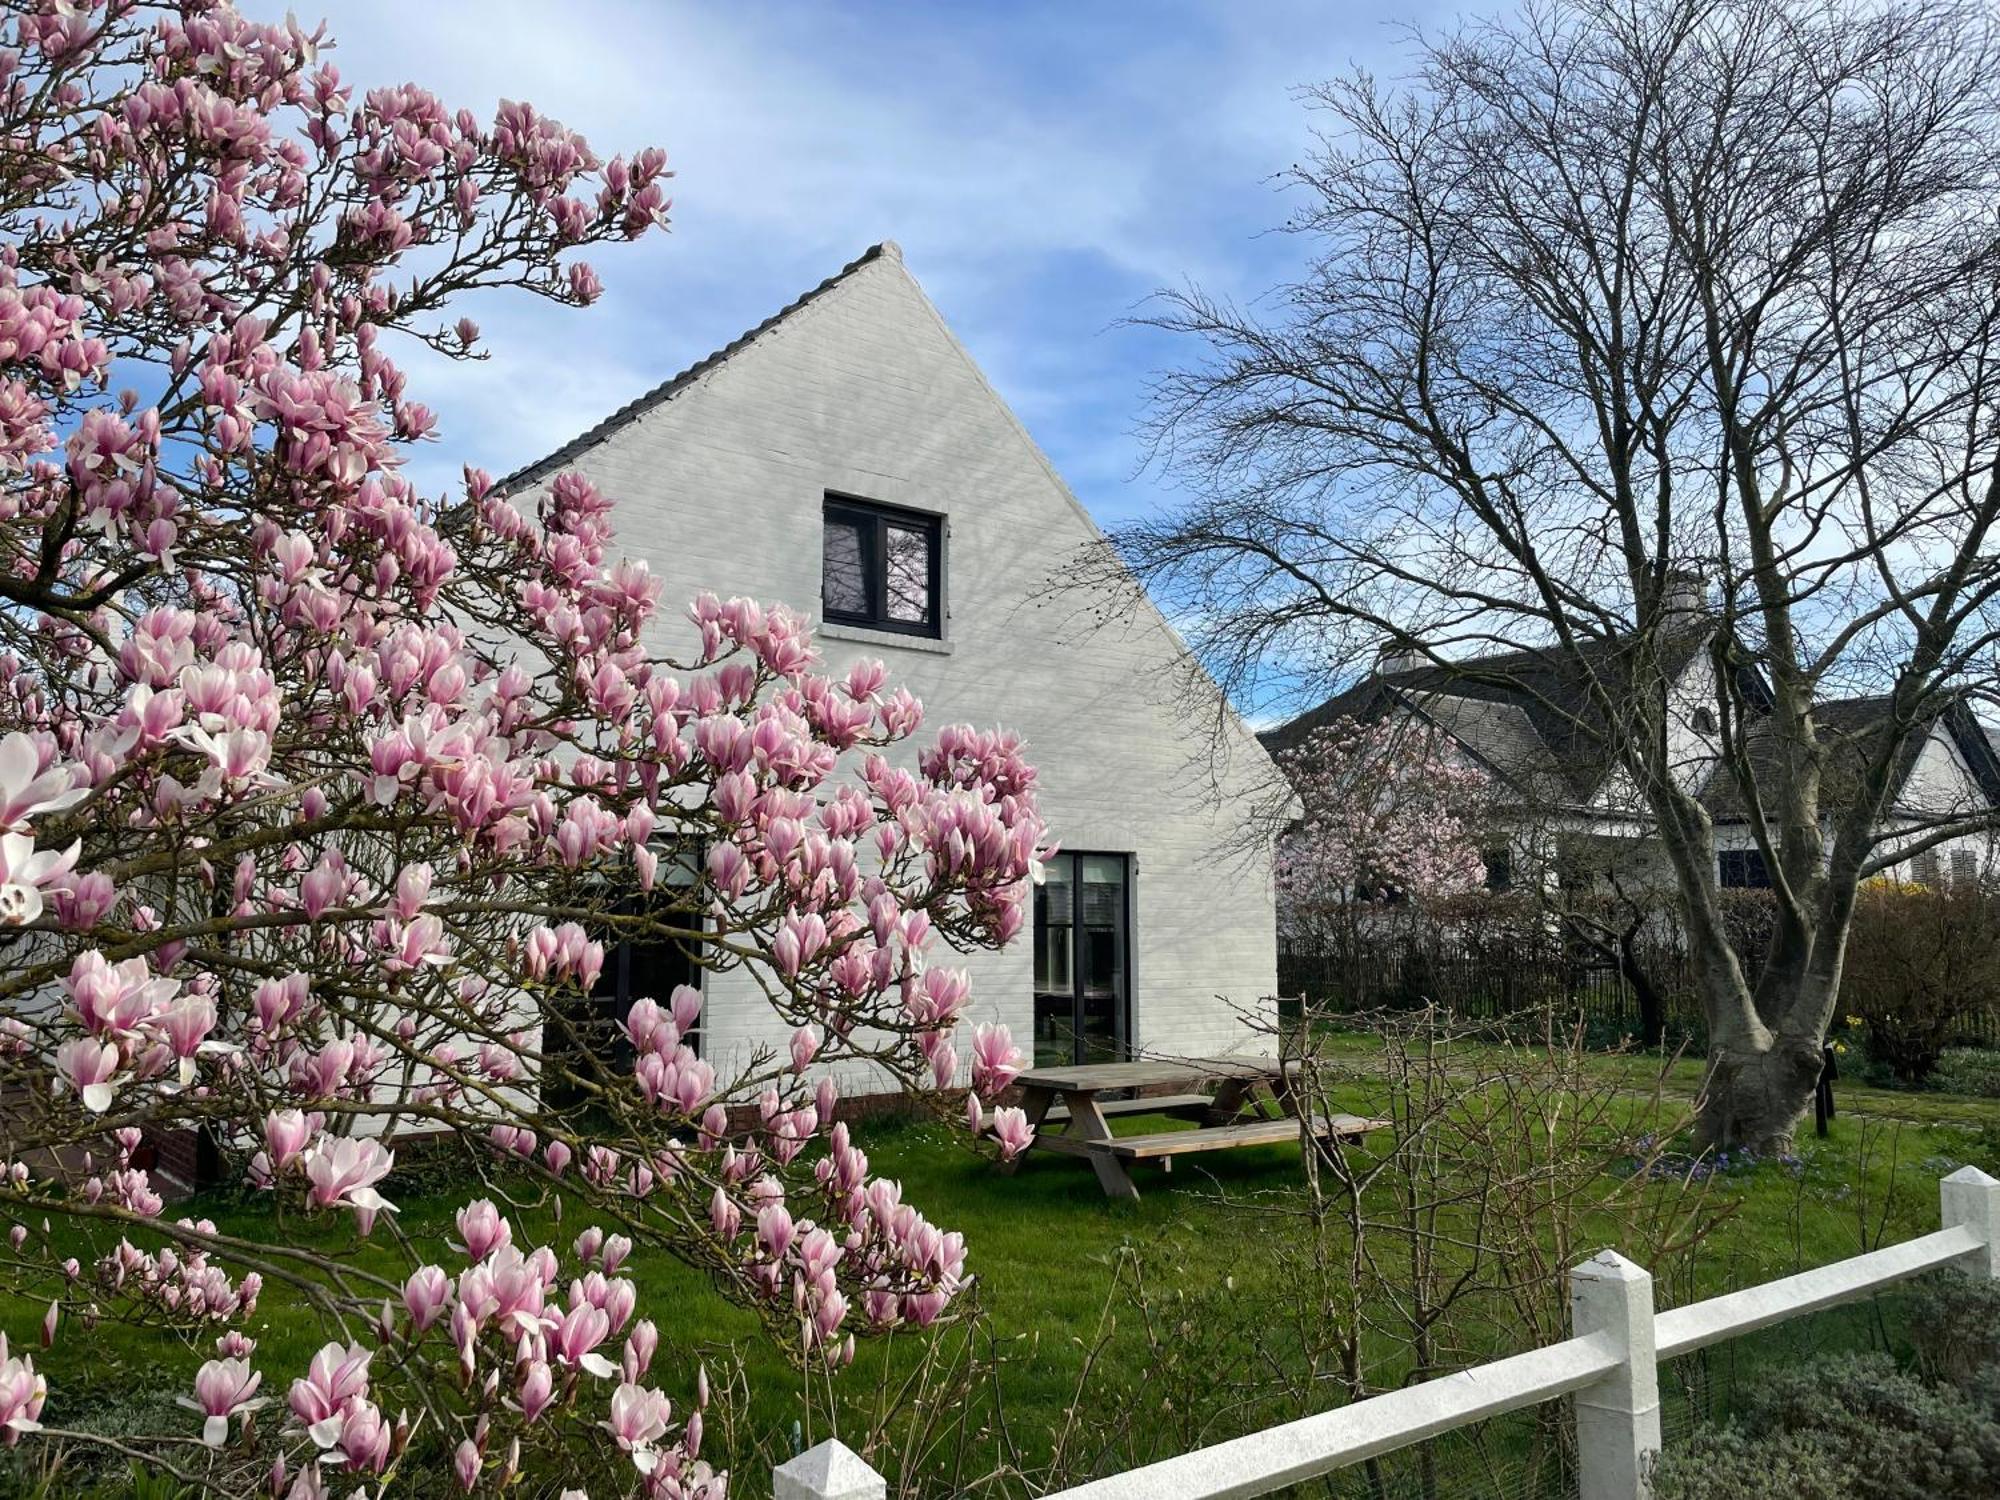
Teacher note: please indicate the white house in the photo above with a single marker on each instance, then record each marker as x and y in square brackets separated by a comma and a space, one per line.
[1532, 720]
[847, 458]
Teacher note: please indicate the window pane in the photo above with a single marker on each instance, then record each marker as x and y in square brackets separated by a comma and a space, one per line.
[909, 575]
[843, 569]
[1055, 1031]
[1101, 954]
[1103, 925]
[1744, 869]
[1053, 905]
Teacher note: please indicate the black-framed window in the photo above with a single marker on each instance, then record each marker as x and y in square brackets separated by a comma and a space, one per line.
[585, 1034]
[1499, 865]
[1083, 962]
[1744, 870]
[882, 566]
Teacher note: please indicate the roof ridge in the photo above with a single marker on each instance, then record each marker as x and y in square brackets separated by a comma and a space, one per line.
[632, 410]
[1551, 652]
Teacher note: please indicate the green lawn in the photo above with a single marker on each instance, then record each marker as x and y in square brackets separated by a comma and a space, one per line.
[1683, 1071]
[1046, 1247]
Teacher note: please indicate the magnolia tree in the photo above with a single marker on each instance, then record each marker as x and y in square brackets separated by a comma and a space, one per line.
[1385, 811]
[320, 795]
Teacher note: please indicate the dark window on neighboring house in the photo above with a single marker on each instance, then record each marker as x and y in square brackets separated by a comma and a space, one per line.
[1744, 870]
[1964, 867]
[1704, 720]
[1499, 869]
[1924, 868]
[882, 567]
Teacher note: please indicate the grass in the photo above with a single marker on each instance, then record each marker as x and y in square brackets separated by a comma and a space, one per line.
[1683, 1072]
[1048, 1248]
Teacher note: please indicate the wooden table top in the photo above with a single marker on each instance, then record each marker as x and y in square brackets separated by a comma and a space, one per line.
[1150, 1072]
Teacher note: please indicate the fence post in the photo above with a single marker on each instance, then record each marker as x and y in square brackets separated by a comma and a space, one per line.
[832, 1471]
[1972, 1199]
[1617, 1418]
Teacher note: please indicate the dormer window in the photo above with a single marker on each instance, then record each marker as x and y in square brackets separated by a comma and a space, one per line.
[882, 567]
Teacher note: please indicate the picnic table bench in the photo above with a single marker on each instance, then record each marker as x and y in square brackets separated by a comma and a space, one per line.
[1253, 1105]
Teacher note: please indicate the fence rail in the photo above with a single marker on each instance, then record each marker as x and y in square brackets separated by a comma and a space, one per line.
[1610, 1365]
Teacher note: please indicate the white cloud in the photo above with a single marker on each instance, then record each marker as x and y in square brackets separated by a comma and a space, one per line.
[1043, 167]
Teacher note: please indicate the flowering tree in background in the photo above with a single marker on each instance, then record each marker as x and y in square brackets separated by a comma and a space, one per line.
[1386, 811]
[318, 795]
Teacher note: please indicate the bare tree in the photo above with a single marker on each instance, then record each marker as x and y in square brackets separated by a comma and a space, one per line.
[1607, 292]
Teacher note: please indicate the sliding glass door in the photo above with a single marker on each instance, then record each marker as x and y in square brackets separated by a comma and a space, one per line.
[1083, 960]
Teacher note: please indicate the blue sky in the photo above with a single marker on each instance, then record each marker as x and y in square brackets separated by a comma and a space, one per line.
[1044, 167]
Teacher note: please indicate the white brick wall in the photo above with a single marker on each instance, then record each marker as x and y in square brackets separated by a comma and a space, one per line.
[864, 391]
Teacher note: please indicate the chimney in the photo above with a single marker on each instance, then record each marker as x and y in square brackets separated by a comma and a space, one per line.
[1683, 593]
[1393, 656]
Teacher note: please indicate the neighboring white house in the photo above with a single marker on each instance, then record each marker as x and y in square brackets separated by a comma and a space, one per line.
[1531, 720]
[847, 458]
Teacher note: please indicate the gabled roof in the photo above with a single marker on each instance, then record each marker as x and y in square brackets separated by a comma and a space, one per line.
[1536, 711]
[1847, 726]
[542, 468]
[1501, 737]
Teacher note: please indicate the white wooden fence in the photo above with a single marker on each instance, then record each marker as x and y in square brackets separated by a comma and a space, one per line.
[1610, 1365]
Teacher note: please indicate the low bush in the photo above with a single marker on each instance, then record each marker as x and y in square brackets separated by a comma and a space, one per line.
[1903, 1437]
[1953, 1323]
[1919, 959]
[1728, 1463]
[1968, 1070]
[1858, 1426]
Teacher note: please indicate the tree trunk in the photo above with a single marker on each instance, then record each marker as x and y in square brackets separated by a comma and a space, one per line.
[1755, 1097]
[1652, 1004]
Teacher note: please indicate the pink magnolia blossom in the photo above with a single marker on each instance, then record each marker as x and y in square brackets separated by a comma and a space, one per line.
[637, 1421]
[24, 872]
[426, 1295]
[224, 1388]
[996, 1061]
[286, 1134]
[364, 1440]
[482, 1229]
[22, 1393]
[575, 1338]
[1386, 807]
[90, 1068]
[1012, 1131]
[114, 1000]
[27, 788]
[537, 1390]
[335, 1381]
[343, 1170]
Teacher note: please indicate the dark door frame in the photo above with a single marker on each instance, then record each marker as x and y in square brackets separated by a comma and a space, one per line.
[1122, 1008]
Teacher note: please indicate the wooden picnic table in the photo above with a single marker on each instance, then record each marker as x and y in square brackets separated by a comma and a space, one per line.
[1252, 1105]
